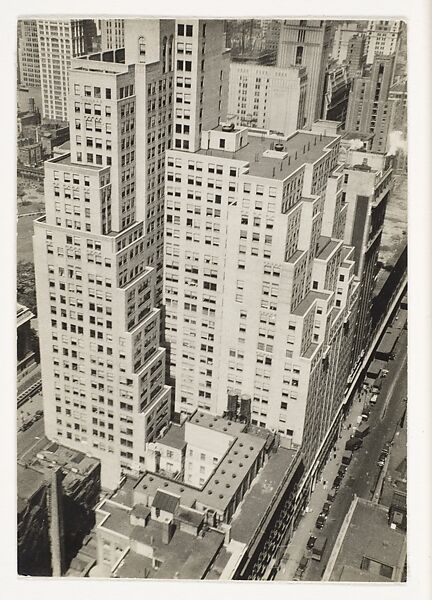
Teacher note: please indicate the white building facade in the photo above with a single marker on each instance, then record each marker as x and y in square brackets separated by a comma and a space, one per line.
[267, 97]
[98, 258]
[259, 284]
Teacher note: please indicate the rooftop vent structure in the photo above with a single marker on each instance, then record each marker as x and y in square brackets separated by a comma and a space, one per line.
[228, 127]
[279, 147]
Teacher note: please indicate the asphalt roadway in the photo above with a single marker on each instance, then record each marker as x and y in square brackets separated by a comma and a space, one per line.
[362, 475]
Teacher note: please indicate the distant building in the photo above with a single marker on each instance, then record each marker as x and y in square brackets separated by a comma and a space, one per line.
[355, 59]
[382, 37]
[336, 94]
[59, 42]
[270, 29]
[29, 68]
[369, 106]
[398, 97]
[112, 33]
[25, 353]
[194, 522]
[343, 34]
[307, 44]
[369, 548]
[267, 97]
[29, 153]
[52, 135]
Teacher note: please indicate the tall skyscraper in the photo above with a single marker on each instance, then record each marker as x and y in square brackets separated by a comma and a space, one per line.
[202, 71]
[98, 255]
[382, 37]
[369, 107]
[28, 54]
[259, 283]
[112, 34]
[59, 41]
[267, 97]
[367, 186]
[355, 56]
[307, 43]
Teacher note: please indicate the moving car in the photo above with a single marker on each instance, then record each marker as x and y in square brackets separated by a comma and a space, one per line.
[373, 399]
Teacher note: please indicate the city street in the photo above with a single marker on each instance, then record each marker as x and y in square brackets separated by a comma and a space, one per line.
[362, 474]
[31, 439]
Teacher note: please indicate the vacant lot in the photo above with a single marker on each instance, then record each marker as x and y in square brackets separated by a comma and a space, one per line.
[30, 199]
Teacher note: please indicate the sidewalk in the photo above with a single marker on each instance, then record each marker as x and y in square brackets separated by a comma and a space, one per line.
[297, 545]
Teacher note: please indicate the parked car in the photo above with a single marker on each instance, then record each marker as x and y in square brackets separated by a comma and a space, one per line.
[320, 522]
[39, 413]
[326, 508]
[382, 459]
[301, 568]
[341, 471]
[331, 495]
[311, 541]
[337, 482]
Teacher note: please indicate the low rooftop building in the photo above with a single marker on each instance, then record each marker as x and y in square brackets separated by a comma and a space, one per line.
[166, 527]
[368, 548]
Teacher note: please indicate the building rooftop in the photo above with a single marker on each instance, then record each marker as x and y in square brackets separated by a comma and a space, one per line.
[260, 494]
[228, 476]
[174, 438]
[369, 536]
[65, 159]
[217, 423]
[24, 315]
[326, 247]
[310, 298]
[184, 557]
[118, 518]
[300, 148]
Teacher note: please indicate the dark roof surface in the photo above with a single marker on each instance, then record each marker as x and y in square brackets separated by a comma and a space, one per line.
[166, 502]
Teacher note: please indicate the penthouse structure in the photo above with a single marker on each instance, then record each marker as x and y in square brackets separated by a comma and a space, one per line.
[267, 97]
[369, 107]
[307, 44]
[60, 41]
[98, 255]
[171, 525]
[366, 189]
[258, 281]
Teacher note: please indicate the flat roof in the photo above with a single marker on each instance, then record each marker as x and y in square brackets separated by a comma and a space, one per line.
[369, 535]
[65, 159]
[302, 308]
[29, 481]
[118, 519]
[220, 424]
[228, 476]
[308, 146]
[186, 556]
[326, 247]
[260, 494]
[174, 437]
